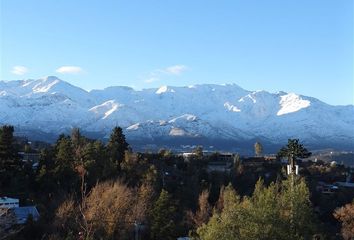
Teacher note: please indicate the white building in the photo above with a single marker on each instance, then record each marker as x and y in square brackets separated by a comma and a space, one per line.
[6, 202]
[188, 155]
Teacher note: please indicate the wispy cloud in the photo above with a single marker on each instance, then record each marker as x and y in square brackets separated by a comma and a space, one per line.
[176, 69]
[152, 79]
[156, 74]
[19, 70]
[69, 70]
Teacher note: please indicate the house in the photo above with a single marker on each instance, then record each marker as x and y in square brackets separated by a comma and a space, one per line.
[348, 183]
[22, 214]
[326, 188]
[344, 184]
[225, 157]
[29, 157]
[224, 167]
[253, 161]
[6, 202]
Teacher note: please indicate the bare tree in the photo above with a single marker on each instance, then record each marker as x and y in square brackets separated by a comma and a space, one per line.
[203, 212]
[65, 216]
[346, 216]
[109, 210]
[114, 208]
[143, 203]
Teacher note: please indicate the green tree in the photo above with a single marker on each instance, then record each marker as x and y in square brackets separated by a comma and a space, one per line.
[45, 180]
[226, 224]
[64, 171]
[10, 164]
[258, 149]
[163, 225]
[297, 210]
[117, 146]
[134, 168]
[96, 162]
[292, 151]
[264, 215]
[8, 155]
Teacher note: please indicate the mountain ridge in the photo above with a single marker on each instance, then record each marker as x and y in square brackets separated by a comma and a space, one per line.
[204, 111]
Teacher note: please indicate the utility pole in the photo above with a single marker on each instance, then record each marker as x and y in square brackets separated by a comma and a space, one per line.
[293, 150]
[292, 171]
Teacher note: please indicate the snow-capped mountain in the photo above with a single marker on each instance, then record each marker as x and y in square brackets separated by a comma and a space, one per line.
[214, 113]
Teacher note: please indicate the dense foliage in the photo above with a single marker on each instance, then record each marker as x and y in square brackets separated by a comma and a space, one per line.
[88, 189]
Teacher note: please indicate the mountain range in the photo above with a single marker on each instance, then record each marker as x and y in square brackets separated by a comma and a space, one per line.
[223, 117]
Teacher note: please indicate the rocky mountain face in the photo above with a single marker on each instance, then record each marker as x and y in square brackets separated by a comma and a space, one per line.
[216, 116]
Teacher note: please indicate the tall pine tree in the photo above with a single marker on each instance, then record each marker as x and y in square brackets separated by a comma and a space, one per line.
[64, 170]
[8, 156]
[116, 147]
[163, 213]
[10, 164]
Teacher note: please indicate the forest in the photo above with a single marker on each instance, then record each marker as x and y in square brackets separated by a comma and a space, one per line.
[89, 189]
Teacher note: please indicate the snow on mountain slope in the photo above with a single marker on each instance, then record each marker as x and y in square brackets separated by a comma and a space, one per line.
[292, 103]
[48, 85]
[164, 89]
[210, 111]
[105, 109]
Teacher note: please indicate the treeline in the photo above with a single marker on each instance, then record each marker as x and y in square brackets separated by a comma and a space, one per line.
[88, 189]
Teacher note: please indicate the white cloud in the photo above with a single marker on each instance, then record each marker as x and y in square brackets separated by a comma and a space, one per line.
[157, 74]
[152, 79]
[19, 70]
[176, 69]
[69, 70]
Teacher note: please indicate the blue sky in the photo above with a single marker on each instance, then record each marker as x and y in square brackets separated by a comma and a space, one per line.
[297, 46]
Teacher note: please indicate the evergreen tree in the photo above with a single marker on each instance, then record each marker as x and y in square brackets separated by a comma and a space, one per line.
[64, 171]
[134, 167]
[292, 151]
[103, 162]
[117, 146]
[163, 224]
[297, 210]
[10, 164]
[263, 214]
[8, 155]
[44, 176]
